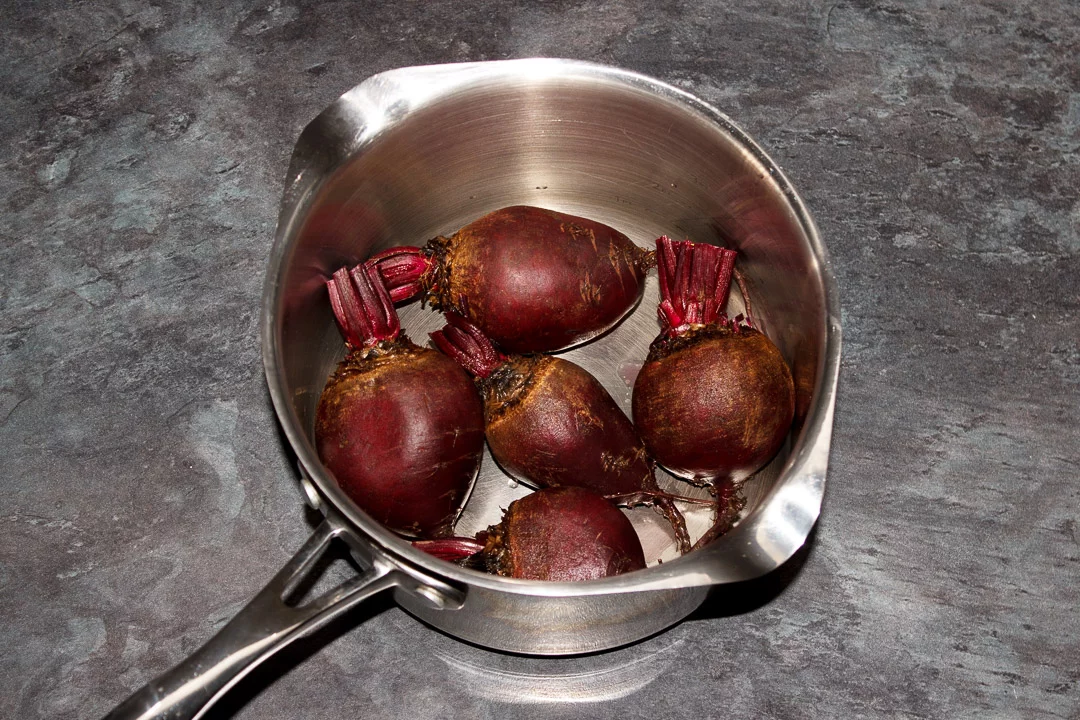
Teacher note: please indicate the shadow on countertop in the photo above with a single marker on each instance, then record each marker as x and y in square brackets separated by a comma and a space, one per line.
[747, 596]
[333, 563]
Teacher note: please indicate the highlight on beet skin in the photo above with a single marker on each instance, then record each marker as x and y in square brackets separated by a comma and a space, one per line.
[399, 426]
[550, 423]
[558, 534]
[714, 400]
[533, 280]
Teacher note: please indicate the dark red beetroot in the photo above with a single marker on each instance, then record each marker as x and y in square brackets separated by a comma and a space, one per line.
[550, 423]
[399, 426]
[714, 400]
[533, 280]
[561, 534]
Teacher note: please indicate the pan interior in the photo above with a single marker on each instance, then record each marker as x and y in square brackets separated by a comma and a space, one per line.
[613, 151]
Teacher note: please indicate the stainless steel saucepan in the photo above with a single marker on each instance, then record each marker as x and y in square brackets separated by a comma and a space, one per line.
[413, 153]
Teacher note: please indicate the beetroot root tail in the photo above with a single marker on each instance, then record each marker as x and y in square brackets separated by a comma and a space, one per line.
[729, 504]
[667, 508]
[665, 504]
[746, 299]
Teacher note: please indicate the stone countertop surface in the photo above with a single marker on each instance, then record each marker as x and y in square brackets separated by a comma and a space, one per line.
[148, 493]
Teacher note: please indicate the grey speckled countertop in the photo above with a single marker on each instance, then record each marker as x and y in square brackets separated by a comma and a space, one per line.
[147, 492]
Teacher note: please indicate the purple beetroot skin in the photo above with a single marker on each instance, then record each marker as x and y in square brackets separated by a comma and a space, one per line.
[714, 399]
[533, 280]
[398, 425]
[550, 423]
[559, 534]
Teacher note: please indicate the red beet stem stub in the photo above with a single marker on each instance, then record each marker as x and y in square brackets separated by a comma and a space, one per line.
[454, 549]
[695, 279]
[362, 306]
[403, 270]
[464, 342]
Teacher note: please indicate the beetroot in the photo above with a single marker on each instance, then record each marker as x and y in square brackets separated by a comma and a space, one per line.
[561, 534]
[550, 423]
[398, 425]
[715, 399]
[533, 280]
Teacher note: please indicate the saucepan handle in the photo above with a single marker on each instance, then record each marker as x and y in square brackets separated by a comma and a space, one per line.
[263, 627]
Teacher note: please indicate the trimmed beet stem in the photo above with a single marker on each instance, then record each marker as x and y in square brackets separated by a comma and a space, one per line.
[695, 279]
[467, 345]
[451, 549]
[402, 270]
[362, 306]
